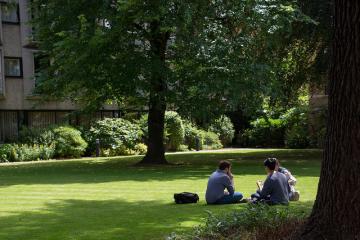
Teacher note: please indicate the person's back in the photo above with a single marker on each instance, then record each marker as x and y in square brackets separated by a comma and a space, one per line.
[277, 187]
[218, 181]
[294, 194]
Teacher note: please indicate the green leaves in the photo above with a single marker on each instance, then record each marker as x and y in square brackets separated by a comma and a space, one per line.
[214, 55]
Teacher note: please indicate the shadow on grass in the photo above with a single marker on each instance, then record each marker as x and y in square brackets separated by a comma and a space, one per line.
[186, 166]
[112, 219]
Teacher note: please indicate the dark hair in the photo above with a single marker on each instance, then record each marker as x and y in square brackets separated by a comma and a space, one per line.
[270, 163]
[224, 164]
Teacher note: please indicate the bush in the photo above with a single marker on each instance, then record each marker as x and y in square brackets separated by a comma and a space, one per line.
[297, 136]
[5, 152]
[25, 152]
[297, 132]
[255, 222]
[210, 140]
[117, 136]
[174, 131]
[265, 132]
[43, 136]
[69, 142]
[224, 128]
[206, 139]
[192, 135]
[140, 149]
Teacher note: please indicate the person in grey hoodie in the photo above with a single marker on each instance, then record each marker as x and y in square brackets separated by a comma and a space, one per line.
[220, 180]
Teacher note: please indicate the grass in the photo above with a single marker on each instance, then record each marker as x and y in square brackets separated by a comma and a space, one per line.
[110, 198]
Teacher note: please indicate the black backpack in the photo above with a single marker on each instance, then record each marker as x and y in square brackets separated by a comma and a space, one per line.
[186, 197]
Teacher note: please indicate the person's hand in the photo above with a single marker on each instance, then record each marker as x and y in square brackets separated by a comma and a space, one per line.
[230, 175]
[259, 183]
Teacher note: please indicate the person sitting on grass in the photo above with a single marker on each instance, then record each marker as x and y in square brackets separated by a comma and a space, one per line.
[294, 195]
[220, 180]
[275, 189]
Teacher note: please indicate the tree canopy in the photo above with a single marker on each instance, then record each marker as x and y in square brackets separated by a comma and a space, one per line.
[195, 56]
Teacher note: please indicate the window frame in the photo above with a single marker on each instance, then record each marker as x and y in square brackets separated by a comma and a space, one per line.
[17, 13]
[21, 67]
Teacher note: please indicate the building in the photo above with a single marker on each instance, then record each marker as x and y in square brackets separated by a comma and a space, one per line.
[18, 65]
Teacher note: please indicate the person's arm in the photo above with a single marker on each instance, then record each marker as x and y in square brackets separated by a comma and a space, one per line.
[260, 184]
[228, 184]
[267, 188]
[231, 178]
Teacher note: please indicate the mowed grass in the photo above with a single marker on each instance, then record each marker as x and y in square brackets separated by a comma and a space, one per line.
[111, 198]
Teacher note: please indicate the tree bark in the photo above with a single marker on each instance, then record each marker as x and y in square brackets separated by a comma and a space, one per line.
[336, 212]
[157, 101]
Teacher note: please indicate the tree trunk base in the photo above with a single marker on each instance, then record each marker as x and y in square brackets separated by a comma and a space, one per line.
[148, 160]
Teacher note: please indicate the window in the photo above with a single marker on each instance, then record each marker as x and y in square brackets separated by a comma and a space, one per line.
[13, 67]
[10, 13]
[41, 63]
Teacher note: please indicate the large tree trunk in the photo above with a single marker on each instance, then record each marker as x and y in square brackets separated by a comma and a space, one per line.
[157, 101]
[156, 151]
[336, 213]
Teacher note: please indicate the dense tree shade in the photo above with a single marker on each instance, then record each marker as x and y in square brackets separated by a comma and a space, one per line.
[199, 57]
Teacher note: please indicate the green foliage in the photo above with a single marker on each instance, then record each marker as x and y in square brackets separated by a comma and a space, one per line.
[69, 142]
[193, 136]
[224, 128]
[5, 152]
[44, 136]
[140, 149]
[297, 132]
[297, 136]
[250, 223]
[174, 131]
[202, 57]
[210, 140]
[25, 152]
[117, 136]
[265, 132]
[204, 139]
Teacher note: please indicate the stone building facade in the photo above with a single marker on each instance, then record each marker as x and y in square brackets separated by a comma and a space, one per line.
[18, 65]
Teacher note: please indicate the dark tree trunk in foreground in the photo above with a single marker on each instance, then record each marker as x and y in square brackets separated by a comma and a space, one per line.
[336, 213]
[157, 102]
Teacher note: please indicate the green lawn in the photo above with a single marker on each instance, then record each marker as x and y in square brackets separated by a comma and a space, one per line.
[113, 199]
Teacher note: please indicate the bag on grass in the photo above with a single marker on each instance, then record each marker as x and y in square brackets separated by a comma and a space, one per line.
[186, 197]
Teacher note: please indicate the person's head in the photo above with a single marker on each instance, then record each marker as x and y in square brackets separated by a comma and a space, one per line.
[225, 165]
[270, 164]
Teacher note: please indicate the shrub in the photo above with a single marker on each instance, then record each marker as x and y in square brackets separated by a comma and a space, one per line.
[210, 140]
[297, 132]
[5, 152]
[43, 136]
[140, 149]
[265, 132]
[174, 131]
[117, 136]
[183, 148]
[192, 135]
[25, 152]
[297, 136]
[69, 142]
[224, 128]
[255, 222]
